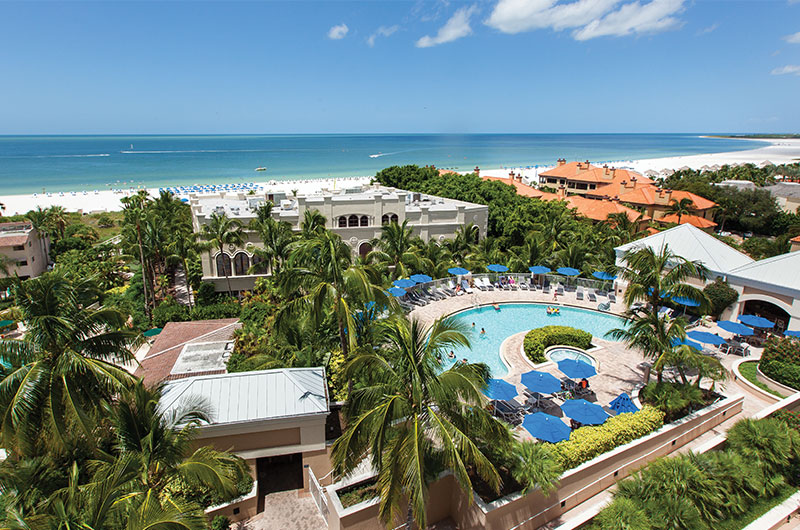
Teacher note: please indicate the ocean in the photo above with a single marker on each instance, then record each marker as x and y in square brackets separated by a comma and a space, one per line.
[31, 164]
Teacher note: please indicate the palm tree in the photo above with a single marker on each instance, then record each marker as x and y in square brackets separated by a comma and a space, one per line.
[65, 366]
[410, 416]
[135, 215]
[276, 236]
[182, 247]
[220, 231]
[625, 228]
[653, 335]
[658, 275]
[434, 258]
[681, 207]
[395, 249]
[57, 218]
[536, 466]
[313, 223]
[40, 221]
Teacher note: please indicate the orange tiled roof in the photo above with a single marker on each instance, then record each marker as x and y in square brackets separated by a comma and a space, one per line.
[524, 189]
[568, 170]
[795, 239]
[599, 210]
[694, 220]
[646, 195]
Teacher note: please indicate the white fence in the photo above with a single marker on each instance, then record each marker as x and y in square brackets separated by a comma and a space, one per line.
[318, 494]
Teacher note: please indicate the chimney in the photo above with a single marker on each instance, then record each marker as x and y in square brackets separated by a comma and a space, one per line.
[605, 169]
[587, 165]
[561, 161]
[633, 178]
[519, 177]
[622, 186]
[511, 175]
[669, 195]
[562, 192]
[477, 171]
[613, 172]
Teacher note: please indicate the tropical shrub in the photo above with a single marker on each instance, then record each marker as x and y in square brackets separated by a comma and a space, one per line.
[675, 400]
[721, 295]
[214, 311]
[588, 442]
[785, 373]
[790, 418]
[781, 361]
[537, 340]
[169, 311]
[207, 294]
[220, 522]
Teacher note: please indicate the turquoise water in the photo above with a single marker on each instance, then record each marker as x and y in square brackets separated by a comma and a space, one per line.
[515, 318]
[64, 163]
[559, 354]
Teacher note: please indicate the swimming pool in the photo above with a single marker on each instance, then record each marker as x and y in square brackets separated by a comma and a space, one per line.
[559, 354]
[515, 318]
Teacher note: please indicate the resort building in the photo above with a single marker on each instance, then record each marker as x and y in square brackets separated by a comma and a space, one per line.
[656, 202]
[787, 195]
[26, 252]
[355, 214]
[582, 178]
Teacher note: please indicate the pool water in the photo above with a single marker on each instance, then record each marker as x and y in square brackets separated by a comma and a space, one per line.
[516, 318]
[559, 354]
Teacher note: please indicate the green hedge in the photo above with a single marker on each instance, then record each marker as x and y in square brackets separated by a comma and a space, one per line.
[537, 340]
[785, 373]
[590, 441]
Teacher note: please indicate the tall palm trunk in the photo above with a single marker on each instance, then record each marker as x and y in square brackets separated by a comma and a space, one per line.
[186, 280]
[144, 271]
[410, 517]
[225, 270]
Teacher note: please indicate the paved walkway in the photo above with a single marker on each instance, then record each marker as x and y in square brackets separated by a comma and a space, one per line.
[287, 510]
[182, 294]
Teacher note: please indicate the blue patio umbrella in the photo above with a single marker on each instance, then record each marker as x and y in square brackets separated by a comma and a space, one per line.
[584, 412]
[576, 369]
[421, 278]
[795, 334]
[735, 327]
[500, 390]
[756, 321]
[705, 337]
[541, 382]
[539, 269]
[688, 302]
[687, 342]
[405, 283]
[457, 271]
[568, 271]
[623, 403]
[396, 291]
[494, 267]
[546, 427]
[602, 275]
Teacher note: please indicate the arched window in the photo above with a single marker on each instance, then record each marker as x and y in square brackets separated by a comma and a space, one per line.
[241, 262]
[385, 219]
[352, 221]
[364, 249]
[364, 220]
[343, 222]
[394, 218]
[256, 260]
[223, 265]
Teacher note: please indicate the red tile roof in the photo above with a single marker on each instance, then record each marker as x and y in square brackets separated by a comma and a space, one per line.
[599, 210]
[795, 239]
[524, 189]
[647, 196]
[159, 361]
[694, 220]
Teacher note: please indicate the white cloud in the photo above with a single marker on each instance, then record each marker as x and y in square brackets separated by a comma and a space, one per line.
[589, 18]
[338, 32]
[634, 18]
[709, 29]
[788, 69]
[383, 31]
[454, 29]
[794, 38]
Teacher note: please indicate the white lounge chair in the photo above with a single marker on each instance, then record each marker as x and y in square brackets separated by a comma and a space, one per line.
[579, 293]
[466, 287]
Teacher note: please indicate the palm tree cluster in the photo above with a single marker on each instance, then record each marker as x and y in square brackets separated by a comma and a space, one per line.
[700, 491]
[87, 445]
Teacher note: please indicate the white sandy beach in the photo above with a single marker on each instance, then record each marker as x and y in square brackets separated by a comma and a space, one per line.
[779, 151]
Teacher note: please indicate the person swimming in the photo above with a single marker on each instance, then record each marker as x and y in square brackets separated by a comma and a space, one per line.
[473, 324]
[483, 331]
[451, 355]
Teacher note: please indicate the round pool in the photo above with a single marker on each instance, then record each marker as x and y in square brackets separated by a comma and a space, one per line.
[511, 319]
[560, 353]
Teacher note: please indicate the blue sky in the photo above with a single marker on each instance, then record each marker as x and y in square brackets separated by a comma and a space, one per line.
[393, 66]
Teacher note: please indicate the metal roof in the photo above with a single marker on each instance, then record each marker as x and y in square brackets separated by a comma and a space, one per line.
[781, 272]
[693, 244]
[253, 396]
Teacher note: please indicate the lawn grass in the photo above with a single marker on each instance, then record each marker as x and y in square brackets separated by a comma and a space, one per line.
[759, 508]
[748, 371]
[91, 220]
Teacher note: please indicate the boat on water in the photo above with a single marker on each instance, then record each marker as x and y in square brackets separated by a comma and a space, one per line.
[375, 156]
[261, 169]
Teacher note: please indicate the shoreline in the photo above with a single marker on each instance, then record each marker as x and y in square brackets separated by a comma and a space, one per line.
[777, 151]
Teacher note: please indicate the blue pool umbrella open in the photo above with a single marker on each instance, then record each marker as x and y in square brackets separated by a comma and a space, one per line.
[602, 275]
[687, 342]
[539, 269]
[546, 427]
[152, 332]
[576, 369]
[705, 337]
[457, 271]
[795, 334]
[568, 271]
[421, 278]
[688, 302]
[500, 390]
[584, 412]
[623, 403]
[756, 321]
[405, 283]
[541, 382]
[396, 291]
[494, 267]
[735, 327]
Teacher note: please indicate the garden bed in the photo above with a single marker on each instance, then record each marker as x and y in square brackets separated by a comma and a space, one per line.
[363, 491]
[676, 400]
[749, 371]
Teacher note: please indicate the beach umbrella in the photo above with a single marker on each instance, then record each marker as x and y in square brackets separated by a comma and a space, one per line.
[404, 283]
[546, 427]
[152, 332]
[602, 275]
[584, 412]
[688, 302]
[623, 403]
[541, 382]
[756, 321]
[735, 327]
[396, 291]
[494, 267]
[457, 271]
[576, 369]
[795, 334]
[687, 342]
[421, 278]
[539, 269]
[568, 271]
[705, 337]
[500, 390]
